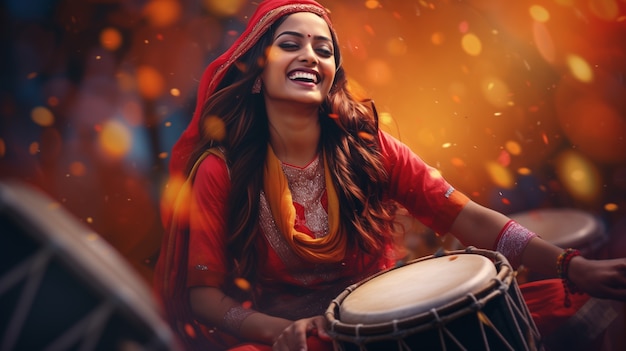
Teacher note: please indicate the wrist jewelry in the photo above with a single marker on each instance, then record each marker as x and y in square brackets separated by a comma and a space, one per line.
[512, 240]
[562, 270]
[235, 317]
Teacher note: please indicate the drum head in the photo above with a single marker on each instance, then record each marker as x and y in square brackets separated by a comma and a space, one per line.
[416, 288]
[562, 227]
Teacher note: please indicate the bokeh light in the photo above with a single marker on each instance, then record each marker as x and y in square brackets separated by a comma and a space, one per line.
[471, 44]
[115, 139]
[223, 8]
[500, 175]
[496, 92]
[214, 128]
[579, 176]
[579, 68]
[150, 82]
[42, 116]
[110, 39]
[162, 13]
[539, 13]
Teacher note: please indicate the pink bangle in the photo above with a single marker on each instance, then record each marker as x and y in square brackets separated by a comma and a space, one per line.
[512, 241]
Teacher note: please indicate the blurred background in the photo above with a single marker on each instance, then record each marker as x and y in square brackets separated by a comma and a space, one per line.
[520, 104]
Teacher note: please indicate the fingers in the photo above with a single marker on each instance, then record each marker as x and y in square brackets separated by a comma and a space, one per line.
[320, 325]
[294, 336]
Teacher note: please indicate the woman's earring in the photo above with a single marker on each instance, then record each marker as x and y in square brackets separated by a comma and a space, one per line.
[256, 88]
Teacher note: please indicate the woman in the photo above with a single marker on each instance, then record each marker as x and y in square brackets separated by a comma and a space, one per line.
[289, 195]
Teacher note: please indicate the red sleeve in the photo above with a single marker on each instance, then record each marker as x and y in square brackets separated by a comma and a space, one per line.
[418, 187]
[207, 263]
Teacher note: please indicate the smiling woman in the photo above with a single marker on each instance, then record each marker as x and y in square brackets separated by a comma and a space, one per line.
[286, 192]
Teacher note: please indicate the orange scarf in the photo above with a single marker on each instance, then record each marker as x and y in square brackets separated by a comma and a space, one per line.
[330, 248]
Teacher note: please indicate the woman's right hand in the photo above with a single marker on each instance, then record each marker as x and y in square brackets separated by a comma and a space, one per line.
[294, 337]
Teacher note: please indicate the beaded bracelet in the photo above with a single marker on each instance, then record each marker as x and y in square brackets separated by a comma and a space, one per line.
[562, 270]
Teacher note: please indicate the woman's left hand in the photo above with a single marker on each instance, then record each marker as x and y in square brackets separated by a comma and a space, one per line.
[599, 278]
[294, 337]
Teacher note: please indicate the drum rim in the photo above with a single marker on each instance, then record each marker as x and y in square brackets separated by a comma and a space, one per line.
[455, 308]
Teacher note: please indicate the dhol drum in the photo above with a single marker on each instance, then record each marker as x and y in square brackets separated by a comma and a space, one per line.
[62, 287]
[564, 227]
[462, 300]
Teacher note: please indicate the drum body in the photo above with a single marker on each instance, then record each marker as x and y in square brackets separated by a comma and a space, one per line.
[462, 300]
[62, 287]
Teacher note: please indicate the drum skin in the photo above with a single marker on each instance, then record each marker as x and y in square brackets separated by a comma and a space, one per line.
[416, 288]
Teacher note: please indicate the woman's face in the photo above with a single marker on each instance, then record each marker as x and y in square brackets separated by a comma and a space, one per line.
[300, 63]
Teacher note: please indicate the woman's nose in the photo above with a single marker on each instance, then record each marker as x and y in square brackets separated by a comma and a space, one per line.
[308, 55]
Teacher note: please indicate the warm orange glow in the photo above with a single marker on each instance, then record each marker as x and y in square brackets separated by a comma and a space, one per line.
[579, 176]
[500, 175]
[513, 147]
[115, 139]
[471, 44]
[33, 148]
[42, 116]
[544, 42]
[110, 39]
[223, 8]
[162, 13]
[175, 92]
[53, 101]
[242, 284]
[372, 4]
[607, 10]
[190, 331]
[597, 127]
[214, 128]
[437, 38]
[379, 72]
[78, 169]
[579, 68]
[150, 82]
[396, 47]
[457, 162]
[611, 207]
[496, 92]
[385, 118]
[539, 13]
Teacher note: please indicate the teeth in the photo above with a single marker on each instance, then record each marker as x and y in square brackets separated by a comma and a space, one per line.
[303, 75]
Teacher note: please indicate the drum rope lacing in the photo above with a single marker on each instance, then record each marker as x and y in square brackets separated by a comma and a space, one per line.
[32, 270]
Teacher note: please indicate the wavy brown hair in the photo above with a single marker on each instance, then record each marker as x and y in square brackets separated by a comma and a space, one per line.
[349, 136]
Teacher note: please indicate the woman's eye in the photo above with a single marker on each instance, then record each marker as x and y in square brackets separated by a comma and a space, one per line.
[288, 46]
[324, 52]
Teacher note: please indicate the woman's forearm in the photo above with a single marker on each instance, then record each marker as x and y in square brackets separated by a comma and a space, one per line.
[212, 307]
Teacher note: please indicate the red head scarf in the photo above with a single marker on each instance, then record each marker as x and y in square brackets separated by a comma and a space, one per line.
[265, 15]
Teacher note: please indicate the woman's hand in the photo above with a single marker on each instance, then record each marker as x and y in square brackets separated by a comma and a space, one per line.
[295, 335]
[599, 278]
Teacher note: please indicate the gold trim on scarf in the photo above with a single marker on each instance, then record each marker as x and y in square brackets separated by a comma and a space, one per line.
[327, 249]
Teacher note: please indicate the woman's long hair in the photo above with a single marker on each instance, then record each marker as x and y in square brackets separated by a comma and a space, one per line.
[349, 136]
